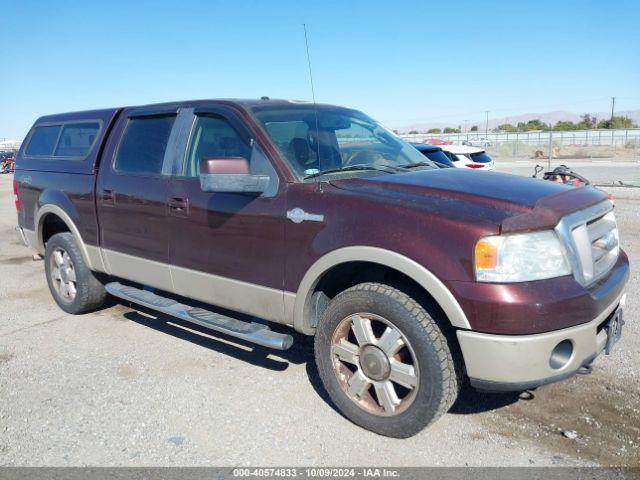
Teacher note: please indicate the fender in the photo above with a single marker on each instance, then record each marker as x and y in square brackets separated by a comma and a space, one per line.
[296, 304]
[91, 255]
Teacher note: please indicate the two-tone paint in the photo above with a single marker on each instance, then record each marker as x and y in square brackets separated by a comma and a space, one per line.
[243, 252]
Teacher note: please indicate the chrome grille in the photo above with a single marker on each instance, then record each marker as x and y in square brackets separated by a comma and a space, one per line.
[603, 235]
[591, 239]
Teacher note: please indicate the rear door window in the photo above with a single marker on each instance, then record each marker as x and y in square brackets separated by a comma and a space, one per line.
[77, 139]
[43, 140]
[143, 145]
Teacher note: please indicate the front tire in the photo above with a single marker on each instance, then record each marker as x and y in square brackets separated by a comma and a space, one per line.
[384, 361]
[72, 284]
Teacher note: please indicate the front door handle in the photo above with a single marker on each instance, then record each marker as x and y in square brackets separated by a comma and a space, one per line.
[108, 197]
[178, 206]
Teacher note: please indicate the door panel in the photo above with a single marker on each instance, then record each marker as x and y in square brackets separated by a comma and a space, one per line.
[229, 235]
[134, 221]
[131, 196]
[227, 248]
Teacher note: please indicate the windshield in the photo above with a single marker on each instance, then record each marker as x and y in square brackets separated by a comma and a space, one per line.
[329, 138]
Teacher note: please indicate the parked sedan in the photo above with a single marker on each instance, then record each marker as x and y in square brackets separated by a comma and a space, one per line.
[464, 156]
[438, 141]
[478, 142]
[435, 154]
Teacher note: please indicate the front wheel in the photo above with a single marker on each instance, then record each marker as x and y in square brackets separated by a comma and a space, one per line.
[384, 361]
[72, 284]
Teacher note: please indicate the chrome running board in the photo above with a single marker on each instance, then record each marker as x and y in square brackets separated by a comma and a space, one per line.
[250, 331]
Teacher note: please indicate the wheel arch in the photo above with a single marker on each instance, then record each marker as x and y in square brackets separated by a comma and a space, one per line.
[51, 212]
[300, 306]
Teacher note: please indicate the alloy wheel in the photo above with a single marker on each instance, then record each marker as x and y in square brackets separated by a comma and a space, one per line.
[375, 364]
[63, 274]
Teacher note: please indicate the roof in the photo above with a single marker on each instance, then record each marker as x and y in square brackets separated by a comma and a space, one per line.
[426, 147]
[247, 103]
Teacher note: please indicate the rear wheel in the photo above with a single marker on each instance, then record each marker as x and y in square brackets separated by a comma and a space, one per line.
[384, 361]
[73, 286]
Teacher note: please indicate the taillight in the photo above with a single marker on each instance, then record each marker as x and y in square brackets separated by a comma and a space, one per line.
[15, 195]
[473, 165]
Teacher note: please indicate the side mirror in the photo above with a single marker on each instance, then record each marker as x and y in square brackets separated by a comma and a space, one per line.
[231, 175]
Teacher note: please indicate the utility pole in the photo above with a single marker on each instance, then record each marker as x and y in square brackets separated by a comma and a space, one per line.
[465, 126]
[486, 125]
[613, 106]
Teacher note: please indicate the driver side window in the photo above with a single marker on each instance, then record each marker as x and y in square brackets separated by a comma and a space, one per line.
[214, 137]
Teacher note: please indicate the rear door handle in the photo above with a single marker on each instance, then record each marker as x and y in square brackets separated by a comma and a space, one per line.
[108, 197]
[178, 206]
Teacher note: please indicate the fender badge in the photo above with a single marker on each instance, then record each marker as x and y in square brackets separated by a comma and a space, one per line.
[298, 215]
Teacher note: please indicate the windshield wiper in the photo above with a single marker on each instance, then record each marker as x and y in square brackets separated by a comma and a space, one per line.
[353, 168]
[419, 164]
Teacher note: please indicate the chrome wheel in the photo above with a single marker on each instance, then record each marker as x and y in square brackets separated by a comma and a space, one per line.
[375, 364]
[63, 275]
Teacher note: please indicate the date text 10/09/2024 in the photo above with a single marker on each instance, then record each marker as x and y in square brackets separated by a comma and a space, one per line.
[316, 472]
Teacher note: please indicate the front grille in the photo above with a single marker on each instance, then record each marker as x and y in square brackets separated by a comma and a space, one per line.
[603, 235]
[591, 239]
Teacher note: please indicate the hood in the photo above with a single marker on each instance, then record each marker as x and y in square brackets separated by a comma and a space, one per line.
[528, 203]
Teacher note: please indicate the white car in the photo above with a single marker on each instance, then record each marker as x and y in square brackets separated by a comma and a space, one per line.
[478, 142]
[464, 156]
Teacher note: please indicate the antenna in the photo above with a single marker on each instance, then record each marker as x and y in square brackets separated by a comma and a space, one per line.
[315, 109]
[306, 42]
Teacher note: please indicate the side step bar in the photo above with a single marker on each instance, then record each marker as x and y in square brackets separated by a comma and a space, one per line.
[251, 332]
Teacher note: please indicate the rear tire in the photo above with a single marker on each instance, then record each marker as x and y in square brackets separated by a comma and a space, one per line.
[384, 361]
[72, 284]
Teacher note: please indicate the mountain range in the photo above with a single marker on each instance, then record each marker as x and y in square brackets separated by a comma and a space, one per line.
[547, 117]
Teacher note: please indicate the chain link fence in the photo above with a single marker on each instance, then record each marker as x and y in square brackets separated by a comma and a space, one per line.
[9, 145]
[622, 144]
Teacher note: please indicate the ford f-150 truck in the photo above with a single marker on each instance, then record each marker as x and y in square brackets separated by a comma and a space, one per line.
[237, 214]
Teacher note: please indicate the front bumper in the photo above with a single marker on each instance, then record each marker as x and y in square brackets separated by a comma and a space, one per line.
[521, 362]
[21, 236]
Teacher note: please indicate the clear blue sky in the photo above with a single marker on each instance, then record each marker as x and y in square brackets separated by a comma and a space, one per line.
[401, 62]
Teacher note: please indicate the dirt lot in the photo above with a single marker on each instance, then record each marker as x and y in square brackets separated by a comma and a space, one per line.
[562, 152]
[606, 171]
[122, 387]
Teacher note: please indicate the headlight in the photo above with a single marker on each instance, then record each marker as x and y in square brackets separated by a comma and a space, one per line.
[520, 257]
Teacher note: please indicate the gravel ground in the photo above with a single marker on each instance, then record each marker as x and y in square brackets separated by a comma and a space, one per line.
[124, 387]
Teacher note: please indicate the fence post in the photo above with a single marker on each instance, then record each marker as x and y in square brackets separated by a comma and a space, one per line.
[550, 147]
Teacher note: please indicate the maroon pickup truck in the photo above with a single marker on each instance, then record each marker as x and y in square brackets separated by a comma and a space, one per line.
[412, 278]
